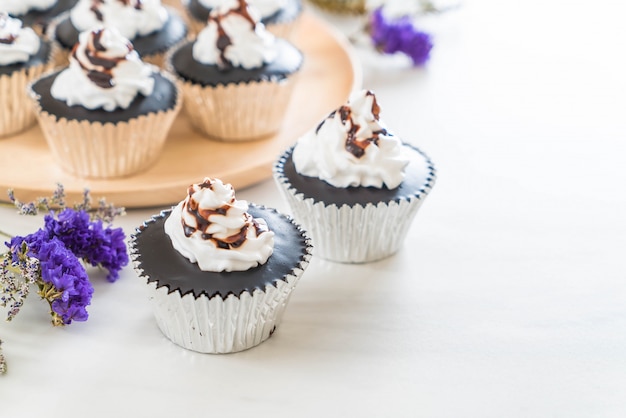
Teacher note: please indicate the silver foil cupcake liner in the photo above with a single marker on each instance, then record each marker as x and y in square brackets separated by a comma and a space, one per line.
[215, 325]
[354, 233]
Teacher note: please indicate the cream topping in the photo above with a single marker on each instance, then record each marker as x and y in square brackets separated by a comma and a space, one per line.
[351, 147]
[21, 7]
[212, 228]
[234, 37]
[17, 44]
[131, 17]
[264, 7]
[104, 72]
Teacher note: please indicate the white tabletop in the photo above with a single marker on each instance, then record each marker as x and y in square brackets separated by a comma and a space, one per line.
[507, 299]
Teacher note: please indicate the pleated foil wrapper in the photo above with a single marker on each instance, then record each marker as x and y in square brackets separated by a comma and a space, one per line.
[17, 112]
[353, 234]
[106, 150]
[238, 112]
[220, 325]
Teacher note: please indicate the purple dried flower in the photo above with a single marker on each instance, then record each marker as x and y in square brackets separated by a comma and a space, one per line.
[89, 240]
[64, 282]
[399, 35]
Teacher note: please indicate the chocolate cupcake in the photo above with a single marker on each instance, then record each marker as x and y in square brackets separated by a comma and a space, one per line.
[107, 114]
[353, 185]
[152, 28]
[36, 14]
[237, 78]
[24, 56]
[219, 272]
[279, 16]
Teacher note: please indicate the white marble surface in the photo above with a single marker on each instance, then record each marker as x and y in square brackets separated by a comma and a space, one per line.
[507, 299]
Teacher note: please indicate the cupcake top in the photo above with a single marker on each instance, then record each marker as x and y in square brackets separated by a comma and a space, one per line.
[104, 72]
[352, 148]
[131, 17]
[20, 7]
[212, 228]
[264, 7]
[234, 37]
[17, 44]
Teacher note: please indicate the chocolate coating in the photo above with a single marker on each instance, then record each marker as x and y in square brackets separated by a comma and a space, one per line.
[43, 17]
[162, 98]
[41, 57]
[157, 42]
[288, 61]
[415, 183]
[162, 264]
[289, 13]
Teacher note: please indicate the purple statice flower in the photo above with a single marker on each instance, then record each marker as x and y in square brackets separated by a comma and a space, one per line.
[63, 280]
[399, 35]
[89, 240]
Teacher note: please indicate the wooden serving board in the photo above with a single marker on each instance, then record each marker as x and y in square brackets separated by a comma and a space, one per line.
[329, 74]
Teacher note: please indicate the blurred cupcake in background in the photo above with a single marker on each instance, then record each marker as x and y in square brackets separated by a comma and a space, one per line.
[152, 28]
[24, 56]
[107, 114]
[279, 16]
[353, 185]
[36, 14]
[237, 78]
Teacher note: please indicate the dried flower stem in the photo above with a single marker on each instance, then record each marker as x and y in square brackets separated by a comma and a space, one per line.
[3, 363]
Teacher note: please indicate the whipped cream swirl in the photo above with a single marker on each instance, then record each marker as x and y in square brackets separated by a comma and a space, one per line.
[21, 7]
[234, 37]
[264, 7]
[131, 17]
[104, 72]
[212, 228]
[17, 44]
[351, 147]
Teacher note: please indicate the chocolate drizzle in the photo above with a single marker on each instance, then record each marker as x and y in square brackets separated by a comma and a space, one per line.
[355, 145]
[4, 25]
[201, 217]
[223, 40]
[95, 7]
[100, 68]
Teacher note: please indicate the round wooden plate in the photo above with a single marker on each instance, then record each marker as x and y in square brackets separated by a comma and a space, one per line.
[328, 76]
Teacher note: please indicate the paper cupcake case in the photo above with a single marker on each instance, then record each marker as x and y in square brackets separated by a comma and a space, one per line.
[17, 111]
[238, 111]
[354, 234]
[220, 324]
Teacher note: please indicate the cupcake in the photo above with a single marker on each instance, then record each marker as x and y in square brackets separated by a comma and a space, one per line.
[23, 57]
[36, 13]
[353, 185]
[107, 114]
[152, 28]
[279, 16]
[219, 271]
[237, 77]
